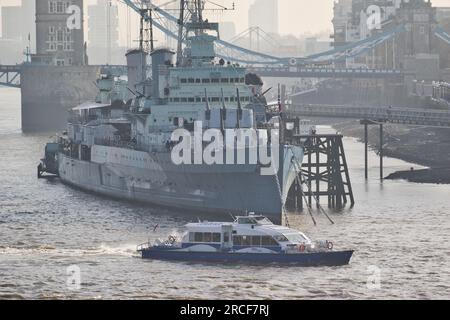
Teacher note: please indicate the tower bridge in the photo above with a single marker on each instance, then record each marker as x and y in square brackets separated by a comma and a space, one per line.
[268, 65]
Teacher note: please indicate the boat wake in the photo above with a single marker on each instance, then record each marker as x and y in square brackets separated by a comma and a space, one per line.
[101, 250]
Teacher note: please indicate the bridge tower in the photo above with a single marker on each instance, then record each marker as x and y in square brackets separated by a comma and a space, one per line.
[60, 33]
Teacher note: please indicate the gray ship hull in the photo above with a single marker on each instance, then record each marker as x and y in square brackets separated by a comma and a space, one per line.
[152, 178]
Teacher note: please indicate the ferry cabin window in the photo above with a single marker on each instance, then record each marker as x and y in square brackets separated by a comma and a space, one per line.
[224, 80]
[296, 238]
[268, 241]
[197, 80]
[206, 80]
[191, 80]
[281, 238]
[204, 237]
[183, 80]
[214, 80]
[191, 99]
[216, 237]
[254, 241]
[207, 237]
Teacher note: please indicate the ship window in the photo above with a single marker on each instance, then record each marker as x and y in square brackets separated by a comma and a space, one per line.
[191, 100]
[191, 80]
[246, 240]
[198, 237]
[183, 80]
[198, 80]
[183, 99]
[176, 99]
[216, 237]
[232, 99]
[268, 241]
[242, 80]
[237, 240]
[226, 99]
[232, 80]
[214, 80]
[207, 237]
[281, 238]
[215, 99]
[198, 99]
[225, 80]
[206, 80]
[236, 80]
[256, 241]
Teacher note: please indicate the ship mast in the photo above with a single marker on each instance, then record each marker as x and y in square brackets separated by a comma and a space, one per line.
[180, 32]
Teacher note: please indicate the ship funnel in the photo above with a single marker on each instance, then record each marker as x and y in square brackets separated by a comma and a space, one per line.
[137, 70]
[162, 60]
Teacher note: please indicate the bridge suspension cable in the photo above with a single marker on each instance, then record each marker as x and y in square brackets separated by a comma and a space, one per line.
[235, 53]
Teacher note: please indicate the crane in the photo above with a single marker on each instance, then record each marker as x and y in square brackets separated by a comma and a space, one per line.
[232, 52]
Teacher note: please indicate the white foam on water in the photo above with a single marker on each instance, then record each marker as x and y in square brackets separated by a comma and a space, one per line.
[102, 249]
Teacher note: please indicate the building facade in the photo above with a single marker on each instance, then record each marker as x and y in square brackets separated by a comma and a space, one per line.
[264, 14]
[60, 33]
[103, 32]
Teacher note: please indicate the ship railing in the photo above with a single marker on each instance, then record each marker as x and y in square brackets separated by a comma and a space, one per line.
[115, 143]
[143, 246]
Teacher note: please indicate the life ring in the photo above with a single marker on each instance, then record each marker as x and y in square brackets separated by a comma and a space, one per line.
[330, 245]
[302, 248]
[293, 62]
[172, 239]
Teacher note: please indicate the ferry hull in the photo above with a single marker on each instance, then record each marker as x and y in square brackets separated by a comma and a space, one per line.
[330, 259]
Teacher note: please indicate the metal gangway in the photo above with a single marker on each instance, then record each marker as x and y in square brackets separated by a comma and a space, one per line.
[404, 116]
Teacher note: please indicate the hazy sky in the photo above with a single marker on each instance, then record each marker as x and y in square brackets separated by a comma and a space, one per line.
[296, 16]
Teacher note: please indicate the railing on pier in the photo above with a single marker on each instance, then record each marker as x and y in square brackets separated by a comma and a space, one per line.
[406, 116]
[318, 72]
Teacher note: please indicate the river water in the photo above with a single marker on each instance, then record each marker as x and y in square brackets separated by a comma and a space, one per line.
[400, 232]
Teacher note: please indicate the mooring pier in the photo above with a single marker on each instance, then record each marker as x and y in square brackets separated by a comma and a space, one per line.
[324, 171]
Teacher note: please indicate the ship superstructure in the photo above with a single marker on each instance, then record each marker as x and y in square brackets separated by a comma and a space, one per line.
[122, 145]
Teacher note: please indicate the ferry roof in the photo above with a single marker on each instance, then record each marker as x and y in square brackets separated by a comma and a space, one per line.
[249, 229]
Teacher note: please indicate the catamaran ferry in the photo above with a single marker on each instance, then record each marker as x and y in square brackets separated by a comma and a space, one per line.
[249, 239]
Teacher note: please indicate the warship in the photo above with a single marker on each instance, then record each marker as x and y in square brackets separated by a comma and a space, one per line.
[122, 144]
